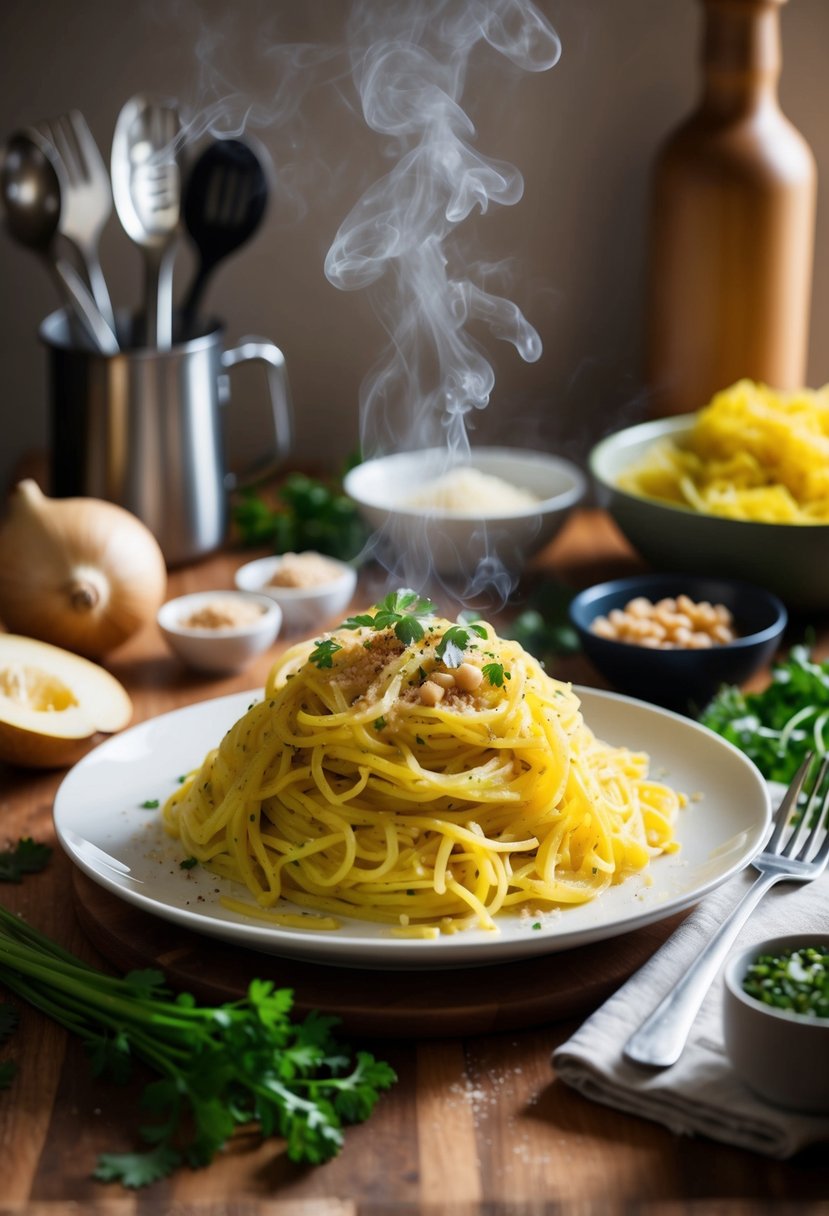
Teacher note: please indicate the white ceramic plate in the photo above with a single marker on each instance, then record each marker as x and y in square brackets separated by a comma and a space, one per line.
[121, 845]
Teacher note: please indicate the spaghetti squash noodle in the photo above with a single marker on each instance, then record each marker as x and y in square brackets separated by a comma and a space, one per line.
[752, 454]
[430, 782]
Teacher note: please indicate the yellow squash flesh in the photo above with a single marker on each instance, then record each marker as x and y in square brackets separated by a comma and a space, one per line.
[54, 704]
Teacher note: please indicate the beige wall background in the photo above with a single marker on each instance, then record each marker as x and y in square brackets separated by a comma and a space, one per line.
[583, 135]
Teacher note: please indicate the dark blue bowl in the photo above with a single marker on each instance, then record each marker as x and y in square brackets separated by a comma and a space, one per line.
[683, 680]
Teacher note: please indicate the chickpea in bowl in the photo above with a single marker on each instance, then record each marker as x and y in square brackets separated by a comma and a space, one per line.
[674, 639]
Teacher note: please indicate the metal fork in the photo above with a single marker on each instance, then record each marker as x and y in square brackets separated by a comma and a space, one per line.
[660, 1039]
[86, 204]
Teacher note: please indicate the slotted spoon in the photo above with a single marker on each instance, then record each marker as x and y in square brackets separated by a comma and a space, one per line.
[225, 198]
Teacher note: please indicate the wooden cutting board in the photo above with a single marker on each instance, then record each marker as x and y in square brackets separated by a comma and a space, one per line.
[387, 1004]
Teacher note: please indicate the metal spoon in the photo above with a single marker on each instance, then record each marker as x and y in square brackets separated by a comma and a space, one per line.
[225, 198]
[146, 188]
[30, 187]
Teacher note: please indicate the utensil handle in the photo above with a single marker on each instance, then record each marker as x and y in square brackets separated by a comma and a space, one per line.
[80, 303]
[261, 350]
[190, 304]
[660, 1039]
[100, 292]
[158, 297]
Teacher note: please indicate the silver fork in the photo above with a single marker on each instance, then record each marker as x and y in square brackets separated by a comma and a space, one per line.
[87, 204]
[660, 1039]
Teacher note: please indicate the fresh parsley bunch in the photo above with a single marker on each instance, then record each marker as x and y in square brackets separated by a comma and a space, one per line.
[778, 726]
[308, 514]
[543, 626]
[243, 1063]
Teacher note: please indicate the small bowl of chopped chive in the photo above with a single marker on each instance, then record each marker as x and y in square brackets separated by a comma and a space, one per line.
[776, 1019]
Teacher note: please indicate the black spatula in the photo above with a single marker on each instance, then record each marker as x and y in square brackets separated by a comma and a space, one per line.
[225, 198]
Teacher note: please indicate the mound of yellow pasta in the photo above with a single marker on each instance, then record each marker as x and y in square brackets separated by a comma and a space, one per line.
[752, 454]
[431, 782]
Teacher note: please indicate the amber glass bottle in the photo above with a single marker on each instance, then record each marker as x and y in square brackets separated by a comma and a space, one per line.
[732, 225]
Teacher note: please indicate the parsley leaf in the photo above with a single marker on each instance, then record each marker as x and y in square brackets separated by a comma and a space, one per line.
[402, 610]
[494, 672]
[27, 857]
[138, 1169]
[323, 653]
[455, 640]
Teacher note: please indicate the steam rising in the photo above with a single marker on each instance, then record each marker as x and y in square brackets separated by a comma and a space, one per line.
[408, 63]
[396, 239]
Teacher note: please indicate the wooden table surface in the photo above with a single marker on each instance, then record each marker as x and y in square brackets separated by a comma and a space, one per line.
[475, 1124]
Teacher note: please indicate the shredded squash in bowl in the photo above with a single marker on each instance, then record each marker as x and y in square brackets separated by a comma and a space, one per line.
[752, 454]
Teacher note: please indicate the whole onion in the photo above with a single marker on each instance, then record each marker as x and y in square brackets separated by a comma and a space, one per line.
[80, 573]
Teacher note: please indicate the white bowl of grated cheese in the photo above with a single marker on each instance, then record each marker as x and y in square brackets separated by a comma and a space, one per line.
[498, 503]
[311, 589]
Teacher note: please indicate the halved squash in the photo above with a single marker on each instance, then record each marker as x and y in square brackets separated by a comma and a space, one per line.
[54, 703]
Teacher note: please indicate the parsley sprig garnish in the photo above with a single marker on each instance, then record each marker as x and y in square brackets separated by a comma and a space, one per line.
[27, 857]
[403, 611]
[454, 642]
[406, 613]
[323, 653]
[217, 1067]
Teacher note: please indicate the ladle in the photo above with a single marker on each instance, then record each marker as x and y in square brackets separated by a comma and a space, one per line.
[31, 191]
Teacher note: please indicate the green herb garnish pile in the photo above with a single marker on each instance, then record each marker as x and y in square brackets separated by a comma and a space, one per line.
[308, 513]
[245, 1063]
[543, 626]
[403, 611]
[778, 726]
[408, 615]
[796, 980]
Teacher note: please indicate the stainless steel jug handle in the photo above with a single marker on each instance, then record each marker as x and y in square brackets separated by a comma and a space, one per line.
[261, 350]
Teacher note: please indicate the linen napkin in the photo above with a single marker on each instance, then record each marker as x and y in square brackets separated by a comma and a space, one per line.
[700, 1094]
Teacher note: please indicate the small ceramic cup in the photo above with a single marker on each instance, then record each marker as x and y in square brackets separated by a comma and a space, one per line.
[783, 1057]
